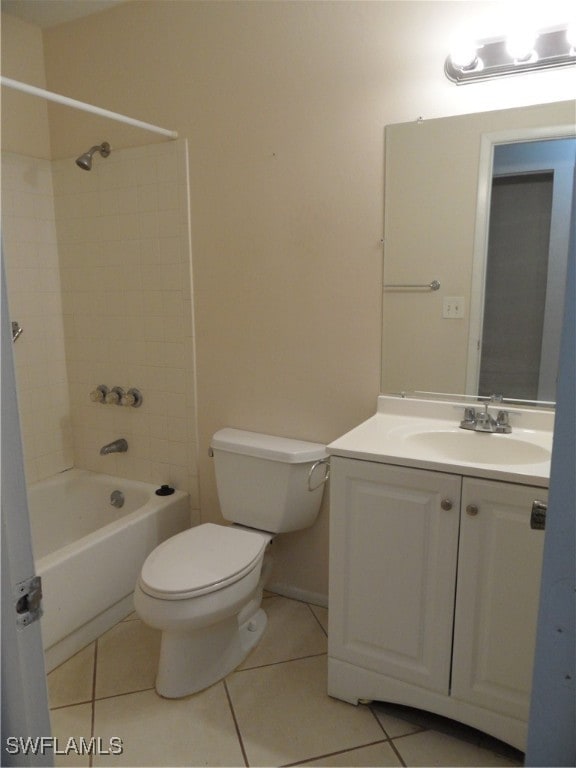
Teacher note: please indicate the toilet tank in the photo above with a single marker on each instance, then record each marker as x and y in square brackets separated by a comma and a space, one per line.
[264, 481]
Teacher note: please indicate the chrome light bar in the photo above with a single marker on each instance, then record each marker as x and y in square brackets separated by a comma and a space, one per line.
[492, 58]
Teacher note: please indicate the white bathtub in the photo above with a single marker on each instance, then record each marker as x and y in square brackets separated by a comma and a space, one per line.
[89, 553]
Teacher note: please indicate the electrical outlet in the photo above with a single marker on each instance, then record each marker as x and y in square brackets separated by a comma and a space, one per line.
[453, 307]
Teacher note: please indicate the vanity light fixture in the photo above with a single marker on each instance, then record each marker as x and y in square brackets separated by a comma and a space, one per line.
[519, 52]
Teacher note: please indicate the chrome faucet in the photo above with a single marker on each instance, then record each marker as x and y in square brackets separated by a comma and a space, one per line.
[482, 421]
[117, 446]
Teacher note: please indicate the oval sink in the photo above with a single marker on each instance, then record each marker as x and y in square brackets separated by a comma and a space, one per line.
[479, 447]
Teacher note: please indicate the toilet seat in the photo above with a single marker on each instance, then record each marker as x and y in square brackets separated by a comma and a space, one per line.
[202, 560]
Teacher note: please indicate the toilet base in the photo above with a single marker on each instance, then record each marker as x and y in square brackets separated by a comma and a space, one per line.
[192, 661]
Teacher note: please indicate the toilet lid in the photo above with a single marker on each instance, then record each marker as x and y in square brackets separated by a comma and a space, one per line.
[201, 560]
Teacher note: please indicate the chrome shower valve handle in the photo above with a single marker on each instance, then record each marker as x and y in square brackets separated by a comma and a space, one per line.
[98, 395]
[132, 398]
[114, 397]
[117, 396]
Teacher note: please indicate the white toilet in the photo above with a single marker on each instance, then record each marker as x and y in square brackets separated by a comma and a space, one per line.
[203, 587]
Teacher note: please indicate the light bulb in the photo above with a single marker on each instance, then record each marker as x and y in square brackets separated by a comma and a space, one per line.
[571, 36]
[463, 54]
[520, 44]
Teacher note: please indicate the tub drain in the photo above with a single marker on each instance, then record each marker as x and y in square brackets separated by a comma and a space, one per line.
[117, 499]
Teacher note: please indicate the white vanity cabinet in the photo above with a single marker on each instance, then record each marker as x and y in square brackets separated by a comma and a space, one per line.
[393, 558]
[434, 582]
[497, 595]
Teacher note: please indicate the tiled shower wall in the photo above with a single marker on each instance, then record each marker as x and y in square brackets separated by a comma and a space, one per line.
[33, 279]
[124, 266]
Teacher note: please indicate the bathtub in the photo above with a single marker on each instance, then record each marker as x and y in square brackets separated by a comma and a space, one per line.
[89, 553]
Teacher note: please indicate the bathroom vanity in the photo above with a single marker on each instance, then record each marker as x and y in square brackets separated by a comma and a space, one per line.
[436, 540]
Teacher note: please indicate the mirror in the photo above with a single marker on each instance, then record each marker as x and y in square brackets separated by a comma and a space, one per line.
[438, 196]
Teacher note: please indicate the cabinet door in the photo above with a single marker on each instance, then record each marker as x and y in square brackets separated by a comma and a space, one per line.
[393, 552]
[497, 596]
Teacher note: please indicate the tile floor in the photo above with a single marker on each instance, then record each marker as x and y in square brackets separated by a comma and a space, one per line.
[272, 711]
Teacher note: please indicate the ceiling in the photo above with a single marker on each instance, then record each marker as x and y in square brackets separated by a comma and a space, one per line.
[49, 13]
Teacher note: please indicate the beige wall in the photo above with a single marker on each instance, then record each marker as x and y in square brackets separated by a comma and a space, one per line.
[284, 105]
[24, 117]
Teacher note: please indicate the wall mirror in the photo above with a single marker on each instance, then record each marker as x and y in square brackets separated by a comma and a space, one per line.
[482, 205]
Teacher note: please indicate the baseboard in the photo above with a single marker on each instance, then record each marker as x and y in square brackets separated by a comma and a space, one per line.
[305, 596]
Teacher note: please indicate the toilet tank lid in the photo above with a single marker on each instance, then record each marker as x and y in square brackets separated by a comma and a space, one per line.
[267, 446]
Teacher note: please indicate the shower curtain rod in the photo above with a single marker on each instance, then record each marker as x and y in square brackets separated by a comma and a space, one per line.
[59, 99]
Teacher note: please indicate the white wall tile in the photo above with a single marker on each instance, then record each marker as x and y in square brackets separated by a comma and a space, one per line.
[100, 271]
[31, 257]
[128, 304]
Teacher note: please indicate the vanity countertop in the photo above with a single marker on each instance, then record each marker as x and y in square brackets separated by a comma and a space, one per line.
[425, 434]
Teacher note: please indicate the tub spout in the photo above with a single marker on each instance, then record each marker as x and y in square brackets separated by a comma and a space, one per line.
[117, 446]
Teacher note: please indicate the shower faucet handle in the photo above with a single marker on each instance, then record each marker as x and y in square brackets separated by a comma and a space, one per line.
[132, 398]
[98, 395]
[114, 397]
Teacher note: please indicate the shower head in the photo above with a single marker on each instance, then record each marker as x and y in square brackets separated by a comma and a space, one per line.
[85, 160]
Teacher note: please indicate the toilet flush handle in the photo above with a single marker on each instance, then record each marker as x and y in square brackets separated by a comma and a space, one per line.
[314, 466]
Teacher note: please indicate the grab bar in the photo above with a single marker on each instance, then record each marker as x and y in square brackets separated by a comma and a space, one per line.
[433, 286]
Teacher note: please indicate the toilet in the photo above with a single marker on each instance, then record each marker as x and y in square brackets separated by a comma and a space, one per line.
[203, 587]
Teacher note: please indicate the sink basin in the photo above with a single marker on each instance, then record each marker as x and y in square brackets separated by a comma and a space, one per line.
[479, 447]
[424, 433]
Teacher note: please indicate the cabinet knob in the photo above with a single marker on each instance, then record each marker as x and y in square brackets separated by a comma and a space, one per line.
[472, 510]
[446, 504]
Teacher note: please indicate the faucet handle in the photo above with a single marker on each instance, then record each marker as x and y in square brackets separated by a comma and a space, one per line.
[98, 395]
[469, 420]
[132, 398]
[503, 422]
[114, 397]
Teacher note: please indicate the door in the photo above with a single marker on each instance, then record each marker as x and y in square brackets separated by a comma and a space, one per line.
[528, 235]
[497, 595]
[24, 697]
[516, 286]
[393, 552]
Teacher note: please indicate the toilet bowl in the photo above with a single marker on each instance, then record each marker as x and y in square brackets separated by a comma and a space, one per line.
[203, 587]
